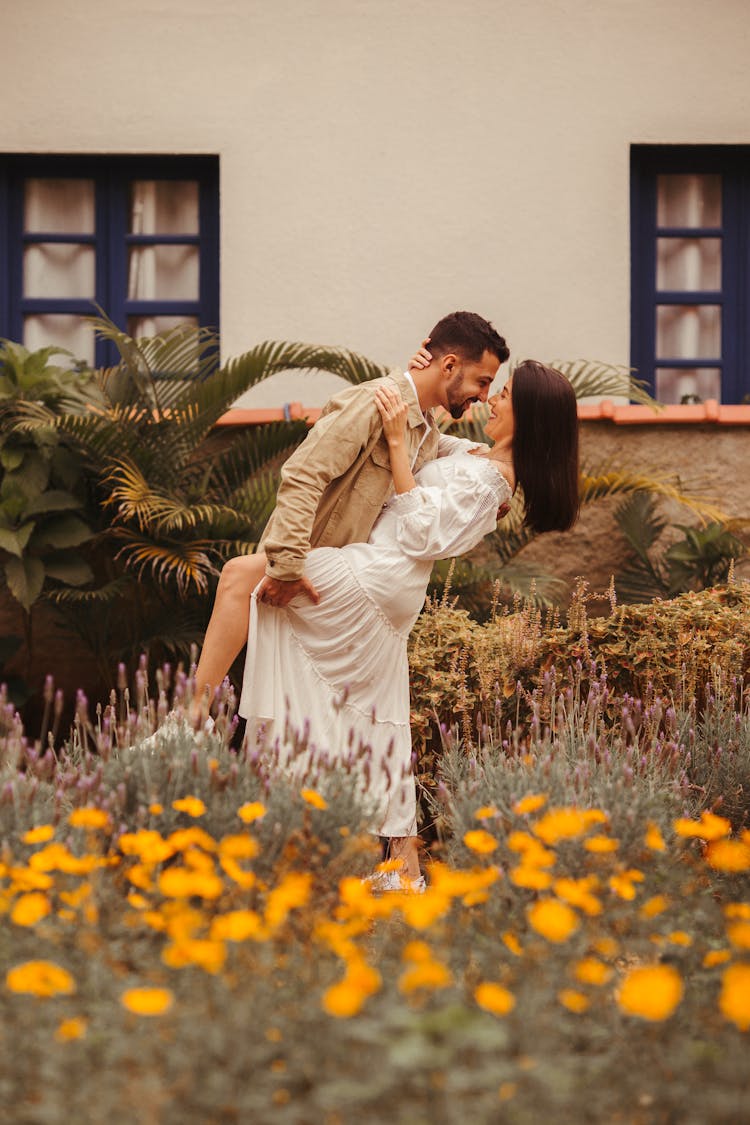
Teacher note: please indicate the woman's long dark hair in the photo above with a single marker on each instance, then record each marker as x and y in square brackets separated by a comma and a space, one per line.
[545, 445]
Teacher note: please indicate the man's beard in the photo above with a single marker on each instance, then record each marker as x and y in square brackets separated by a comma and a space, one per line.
[456, 405]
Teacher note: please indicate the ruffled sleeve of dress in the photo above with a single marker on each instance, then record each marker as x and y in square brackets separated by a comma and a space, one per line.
[439, 522]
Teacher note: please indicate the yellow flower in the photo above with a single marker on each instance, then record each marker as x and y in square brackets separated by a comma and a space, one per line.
[254, 810]
[193, 806]
[573, 1000]
[654, 838]
[312, 797]
[651, 992]
[195, 837]
[622, 883]
[236, 925]
[88, 818]
[39, 835]
[155, 808]
[709, 827]
[181, 882]
[716, 957]
[566, 823]
[416, 952]
[531, 851]
[30, 908]
[577, 892]
[239, 846]
[293, 891]
[425, 975]
[727, 855]
[485, 813]
[205, 953]
[606, 947]
[679, 937]
[494, 998]
[346, 998]
[27, 879]
[512, 943]
[40, 978]
[147, 844]
[147, 1001]
[480, 841]
[734, 1000]
[653, 906]
[737, 910]
[553, 920]
[590, 970]
[70, 1029]
[601, 844]
[532, 877]
[421, 911]
[530, 803]
[739, 934]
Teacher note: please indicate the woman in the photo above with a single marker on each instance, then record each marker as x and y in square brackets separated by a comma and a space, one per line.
[338, 670]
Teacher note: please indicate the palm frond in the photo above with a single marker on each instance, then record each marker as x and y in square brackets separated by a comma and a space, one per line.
[592, 379]
[639, 521]
[607, 481]
[187, 565]
[110, 592]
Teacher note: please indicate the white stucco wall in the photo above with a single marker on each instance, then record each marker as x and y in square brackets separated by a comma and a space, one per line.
[384, 162]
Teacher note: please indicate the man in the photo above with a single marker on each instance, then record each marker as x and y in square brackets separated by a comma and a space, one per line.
[334, 485]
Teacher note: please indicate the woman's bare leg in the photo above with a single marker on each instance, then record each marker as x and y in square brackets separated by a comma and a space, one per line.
[227, 629]
[406, 848]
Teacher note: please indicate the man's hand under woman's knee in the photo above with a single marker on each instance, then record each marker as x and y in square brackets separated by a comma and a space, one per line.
[274, 591]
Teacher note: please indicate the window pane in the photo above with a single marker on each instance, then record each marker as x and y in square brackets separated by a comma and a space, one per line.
[688, 201]
[163, 273]
[63, 331]
[164, 207]
[688, 263]
[676, 385]
[59, 206]
[688, 331]
[152, 325]
[57, 269]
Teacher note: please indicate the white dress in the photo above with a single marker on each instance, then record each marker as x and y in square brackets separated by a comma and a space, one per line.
[331, 682]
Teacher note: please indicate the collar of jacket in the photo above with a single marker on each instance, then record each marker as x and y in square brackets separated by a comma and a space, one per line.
[415, 417]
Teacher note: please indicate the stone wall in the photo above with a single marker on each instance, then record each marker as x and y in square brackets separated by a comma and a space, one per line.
[710, 460]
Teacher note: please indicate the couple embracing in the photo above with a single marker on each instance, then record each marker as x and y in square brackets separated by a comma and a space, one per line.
[373, 496]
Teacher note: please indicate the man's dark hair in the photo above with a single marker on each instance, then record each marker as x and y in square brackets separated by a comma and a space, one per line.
[545, 445]
[467, 334]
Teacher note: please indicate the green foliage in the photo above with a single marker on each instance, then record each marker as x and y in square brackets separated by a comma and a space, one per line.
[700, 559]
[42, 511]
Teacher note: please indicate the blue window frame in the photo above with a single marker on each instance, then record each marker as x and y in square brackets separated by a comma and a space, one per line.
[136, 235]
[690, 270]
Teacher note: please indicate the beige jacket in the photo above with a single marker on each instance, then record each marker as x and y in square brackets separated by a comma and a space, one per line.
[333, 487]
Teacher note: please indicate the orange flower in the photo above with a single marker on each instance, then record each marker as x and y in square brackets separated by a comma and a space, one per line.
[205, 953]
[155, 808]
[512, 943]
[566, 823]
[530, 803]
[737, 910]
[531, 851]
[236, 925]
[739, 934]
[573, 1000]
[346, 998]
[716, 957]
[30, 909]
[312, 797]
[147, 844]
[552, 919]
[293, 891]
[254, 810]
[532, 877]
[734, 1000]
[181, 882]
[40, 978]
[590, 970]
[70, 1029]
[651, 992]
[39, 835]
[426, 975]
[193, 806]
[88, 818]
[653, 906]
[494, 998]
[577, 892]
[147, 1001]
[654, 838]
[622, 883]
[485, 813]
[480, 841]
[726, 855]
[709, 827]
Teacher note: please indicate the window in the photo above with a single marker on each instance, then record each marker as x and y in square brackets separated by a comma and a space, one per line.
[690, 271]
[138, 236]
